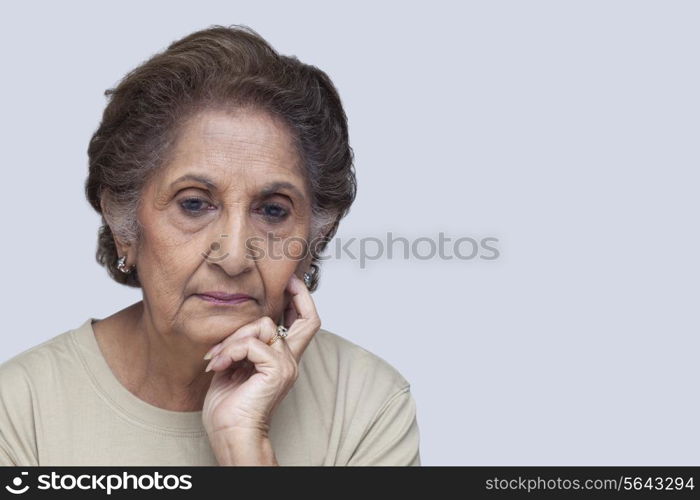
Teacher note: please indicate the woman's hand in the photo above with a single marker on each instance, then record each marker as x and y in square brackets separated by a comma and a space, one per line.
[251, 379]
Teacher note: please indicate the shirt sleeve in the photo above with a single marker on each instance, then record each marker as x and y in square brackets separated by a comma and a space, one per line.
[393, 436]
[5, 459]
[17, 430]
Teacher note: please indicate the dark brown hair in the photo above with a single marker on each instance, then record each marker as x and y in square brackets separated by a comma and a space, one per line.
[222, 67]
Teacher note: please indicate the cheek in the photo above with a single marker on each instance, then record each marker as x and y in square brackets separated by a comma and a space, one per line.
[168, 260]
[295, 248]
[275, 273]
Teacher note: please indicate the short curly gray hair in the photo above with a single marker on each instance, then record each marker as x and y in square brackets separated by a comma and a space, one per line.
[218, 67]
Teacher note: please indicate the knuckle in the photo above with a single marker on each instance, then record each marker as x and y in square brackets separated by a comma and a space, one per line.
[294, 370]
[231, 350]
[267, 321]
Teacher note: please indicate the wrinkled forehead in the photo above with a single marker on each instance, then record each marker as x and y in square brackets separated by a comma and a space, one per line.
[238, 140]
[245, 146]
[243, 133]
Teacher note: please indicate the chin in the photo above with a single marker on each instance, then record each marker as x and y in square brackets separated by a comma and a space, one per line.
[215, 325]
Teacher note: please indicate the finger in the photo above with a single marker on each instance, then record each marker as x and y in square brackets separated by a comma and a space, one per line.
[234, 352]
[263, 328]
[288, 360]
[264, 357]
[307, 322]
[283, 364]
[285, 348]
[290, 315]
[280, 343]
[301, 298]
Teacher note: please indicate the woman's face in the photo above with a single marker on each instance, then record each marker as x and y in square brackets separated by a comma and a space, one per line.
[219, 218]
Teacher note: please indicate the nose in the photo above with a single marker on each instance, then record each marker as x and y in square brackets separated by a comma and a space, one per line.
[228, 248]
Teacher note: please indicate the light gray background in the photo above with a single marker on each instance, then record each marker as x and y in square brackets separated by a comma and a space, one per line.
[569, 130]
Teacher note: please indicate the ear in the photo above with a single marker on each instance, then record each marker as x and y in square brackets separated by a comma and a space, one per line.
[122, 247]
[304, 265]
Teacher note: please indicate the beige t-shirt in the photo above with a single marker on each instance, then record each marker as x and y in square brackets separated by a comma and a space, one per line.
[60, 404]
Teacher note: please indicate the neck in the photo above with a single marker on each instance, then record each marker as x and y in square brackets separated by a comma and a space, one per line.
[157, 365]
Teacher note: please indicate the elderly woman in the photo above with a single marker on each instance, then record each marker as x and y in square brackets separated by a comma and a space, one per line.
[221, 169]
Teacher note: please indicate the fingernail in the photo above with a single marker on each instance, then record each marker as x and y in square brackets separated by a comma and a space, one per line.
[210, 365]
[213, 351]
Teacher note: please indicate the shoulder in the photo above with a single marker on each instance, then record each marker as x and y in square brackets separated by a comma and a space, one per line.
[24, 381]
[369, 401]
[35, 369]
[352, 368]
[36, 362]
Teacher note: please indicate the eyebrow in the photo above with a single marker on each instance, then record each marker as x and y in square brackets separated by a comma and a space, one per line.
[267, 190]
[196, 178]
[271, 188]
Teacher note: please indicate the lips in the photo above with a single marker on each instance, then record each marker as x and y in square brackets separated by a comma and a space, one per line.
[226, 297]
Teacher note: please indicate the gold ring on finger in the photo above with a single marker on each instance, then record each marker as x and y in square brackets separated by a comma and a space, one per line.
[281, 333]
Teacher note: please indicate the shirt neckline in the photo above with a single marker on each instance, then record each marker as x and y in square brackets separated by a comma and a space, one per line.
[121, 399]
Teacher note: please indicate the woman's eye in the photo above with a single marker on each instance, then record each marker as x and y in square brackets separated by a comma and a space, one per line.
[274, 213]
[194, 206]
